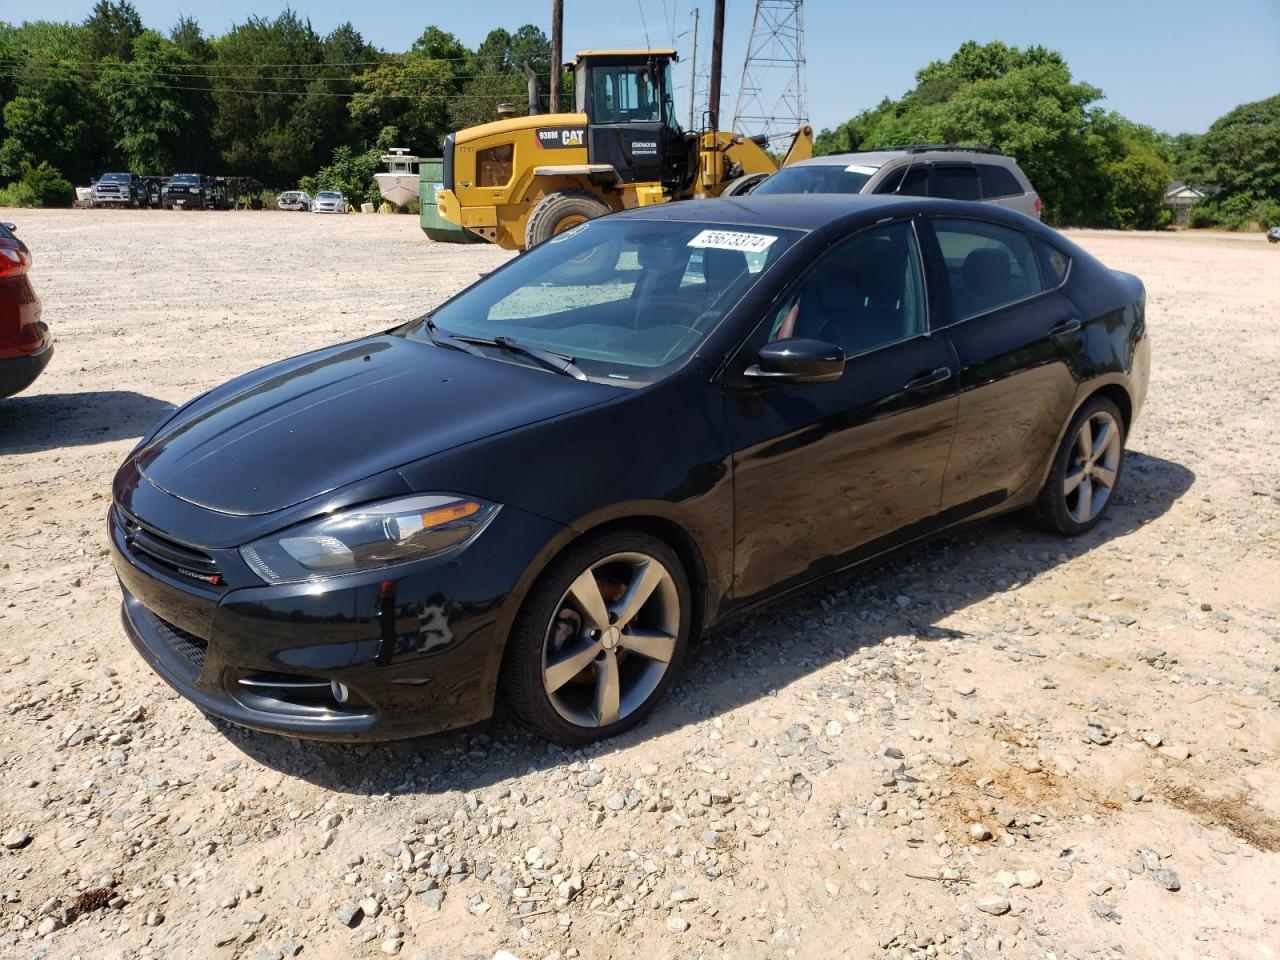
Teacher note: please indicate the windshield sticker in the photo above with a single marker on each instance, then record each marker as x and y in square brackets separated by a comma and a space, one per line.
[732, 240]
[860, 168]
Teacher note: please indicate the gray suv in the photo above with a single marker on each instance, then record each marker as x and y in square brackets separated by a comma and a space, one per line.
[919, 170]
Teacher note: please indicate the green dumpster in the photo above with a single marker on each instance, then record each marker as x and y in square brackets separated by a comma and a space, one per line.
[430, 180]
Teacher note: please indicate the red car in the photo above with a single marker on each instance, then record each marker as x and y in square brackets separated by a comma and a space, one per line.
[25, 343]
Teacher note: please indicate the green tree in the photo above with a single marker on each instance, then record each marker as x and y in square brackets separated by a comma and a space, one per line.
[413, 92]
[280, 104]
[111, 29]
[52, 118]
[1240, 152]
[352, 172]
[1088, 166]
[151, 115]
[190, 39]
[38, 186]
[497, 75]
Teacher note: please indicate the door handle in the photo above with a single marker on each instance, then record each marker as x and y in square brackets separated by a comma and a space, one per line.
[1063, 327]
[928, 379]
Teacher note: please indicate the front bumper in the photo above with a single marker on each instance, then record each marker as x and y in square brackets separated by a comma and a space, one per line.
[18, 373]
[416, 654]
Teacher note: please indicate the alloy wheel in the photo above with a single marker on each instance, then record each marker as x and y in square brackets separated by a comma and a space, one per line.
[1092, 467]
[612, 639]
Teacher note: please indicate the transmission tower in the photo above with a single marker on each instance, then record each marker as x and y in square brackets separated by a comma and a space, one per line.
[773, 98]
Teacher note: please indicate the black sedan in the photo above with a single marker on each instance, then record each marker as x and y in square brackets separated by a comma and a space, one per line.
[554, 482]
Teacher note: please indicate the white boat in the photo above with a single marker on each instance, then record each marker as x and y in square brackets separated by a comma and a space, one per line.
[84, 196]
[399, 184]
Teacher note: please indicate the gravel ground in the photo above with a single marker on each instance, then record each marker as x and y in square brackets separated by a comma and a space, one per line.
[1001, 743]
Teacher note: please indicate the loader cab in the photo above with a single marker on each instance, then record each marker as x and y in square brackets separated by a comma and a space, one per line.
[631, 122]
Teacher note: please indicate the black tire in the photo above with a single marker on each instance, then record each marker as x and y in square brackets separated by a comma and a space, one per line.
[521, 679]
[557, 212]
[1053, 508]
[743, 185]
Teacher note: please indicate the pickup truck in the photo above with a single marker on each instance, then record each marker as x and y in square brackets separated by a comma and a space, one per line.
[118, 189]
[187, 191]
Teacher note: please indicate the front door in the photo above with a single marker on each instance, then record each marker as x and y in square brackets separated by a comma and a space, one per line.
[825, 473]
[625, 113]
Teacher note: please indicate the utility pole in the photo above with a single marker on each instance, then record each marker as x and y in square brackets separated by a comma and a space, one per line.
[693, 68]
[717, 52]
[557, 27]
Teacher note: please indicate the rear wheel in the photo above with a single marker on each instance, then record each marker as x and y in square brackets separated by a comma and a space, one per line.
[599, 638]
[1085, 472]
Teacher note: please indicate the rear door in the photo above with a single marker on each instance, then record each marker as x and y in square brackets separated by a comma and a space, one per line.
[955, 181]
[1010, 325]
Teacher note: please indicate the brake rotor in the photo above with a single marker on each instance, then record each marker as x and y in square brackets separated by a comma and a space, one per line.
[569, 625]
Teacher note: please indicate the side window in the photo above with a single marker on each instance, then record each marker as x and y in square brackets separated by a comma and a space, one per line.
[1054, 265]
[914, 182]
[988, 265]
[956, 182]
[865, 293]
[998, 182]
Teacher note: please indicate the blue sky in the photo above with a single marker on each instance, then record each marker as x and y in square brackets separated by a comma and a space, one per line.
[1173, 64]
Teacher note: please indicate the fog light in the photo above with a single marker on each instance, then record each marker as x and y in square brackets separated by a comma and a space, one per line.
[339, 691]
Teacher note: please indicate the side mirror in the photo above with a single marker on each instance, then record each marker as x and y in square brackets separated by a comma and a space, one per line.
[11, 227]
[798, 361]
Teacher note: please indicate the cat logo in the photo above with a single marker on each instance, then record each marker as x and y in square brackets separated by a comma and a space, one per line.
[560, 138]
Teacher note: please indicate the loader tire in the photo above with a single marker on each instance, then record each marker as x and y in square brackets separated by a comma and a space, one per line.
[743, 185]
[560, 212]
[557, 212]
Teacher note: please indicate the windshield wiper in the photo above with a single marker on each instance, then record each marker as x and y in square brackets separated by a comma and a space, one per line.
[442, 339]
[552, 361]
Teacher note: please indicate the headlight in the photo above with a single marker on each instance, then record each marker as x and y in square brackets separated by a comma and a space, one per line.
[368, 537]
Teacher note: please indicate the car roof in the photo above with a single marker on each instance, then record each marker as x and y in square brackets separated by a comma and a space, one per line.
[813, 211]
[878, 158]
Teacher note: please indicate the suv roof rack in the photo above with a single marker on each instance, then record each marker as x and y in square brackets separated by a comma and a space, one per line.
[956, 147]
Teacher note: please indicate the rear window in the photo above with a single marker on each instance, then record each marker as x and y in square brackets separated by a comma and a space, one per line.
[1054, 264]
[956, 182]
[998, 182]
[817, 178]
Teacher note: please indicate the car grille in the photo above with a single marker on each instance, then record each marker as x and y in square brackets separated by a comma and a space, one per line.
[189, 650]
[183, 560]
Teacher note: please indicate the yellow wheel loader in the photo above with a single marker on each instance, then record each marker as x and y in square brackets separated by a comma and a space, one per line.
[522, 180]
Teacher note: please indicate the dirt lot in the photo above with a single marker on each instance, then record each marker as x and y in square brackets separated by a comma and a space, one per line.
[1001, 743]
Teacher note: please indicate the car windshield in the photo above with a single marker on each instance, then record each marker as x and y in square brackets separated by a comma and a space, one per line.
[184, 178]
[818, 178]
[628, 300]
[328, 195]
[115, 178]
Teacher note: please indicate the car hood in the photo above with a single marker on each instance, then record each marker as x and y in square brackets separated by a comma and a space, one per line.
[301, 428]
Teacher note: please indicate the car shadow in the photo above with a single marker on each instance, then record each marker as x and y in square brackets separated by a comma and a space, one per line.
[752, 657]
[48, 421]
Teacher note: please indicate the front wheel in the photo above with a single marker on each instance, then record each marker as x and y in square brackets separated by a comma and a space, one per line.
[1085, 471]
[559, 212]
[599, 638]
